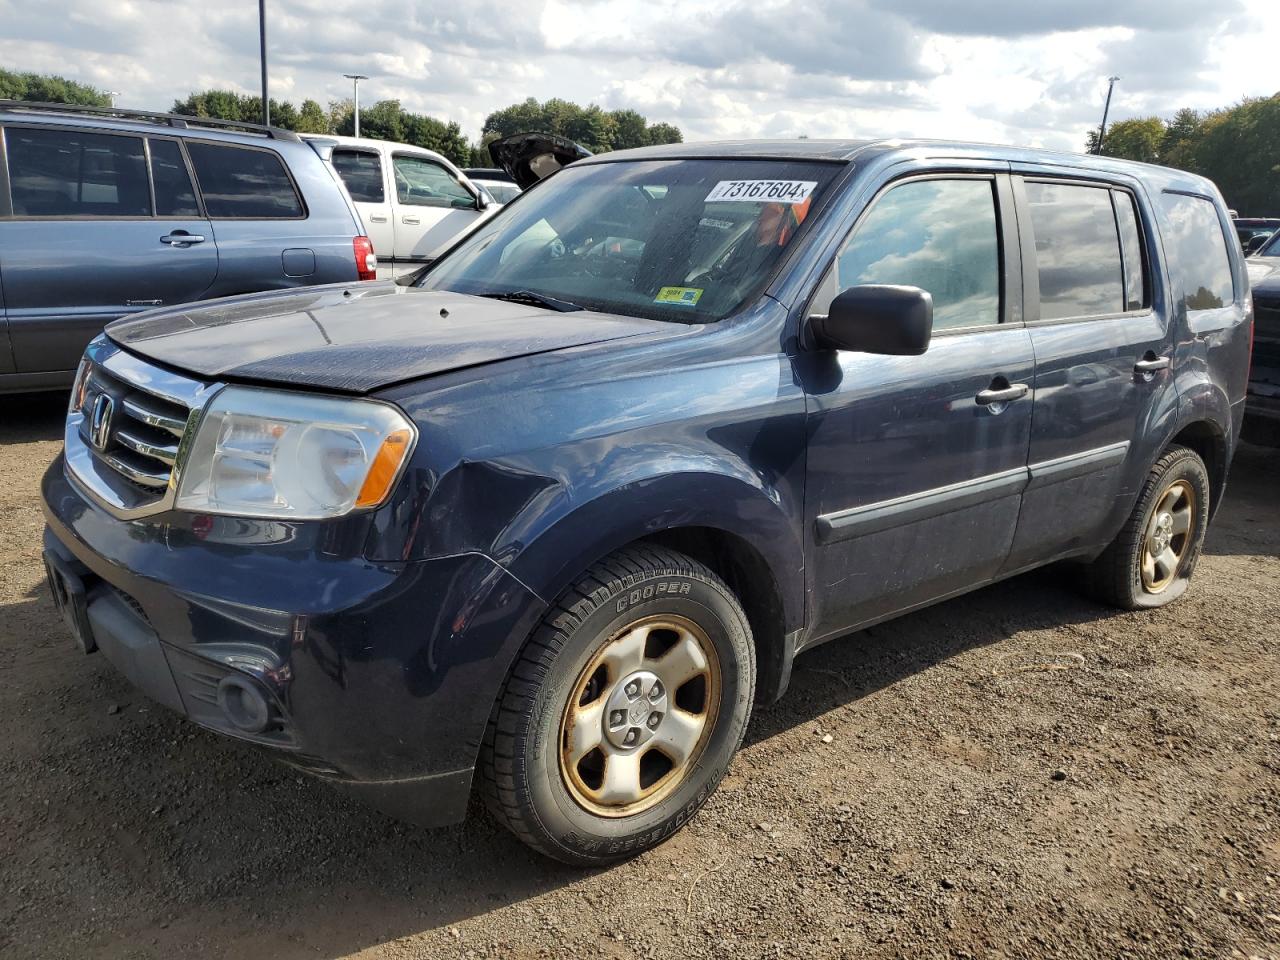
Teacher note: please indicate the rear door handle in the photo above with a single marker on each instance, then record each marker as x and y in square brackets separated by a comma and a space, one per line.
[1152, 365]
[1015, 391]
[180, 239]
[373, 219]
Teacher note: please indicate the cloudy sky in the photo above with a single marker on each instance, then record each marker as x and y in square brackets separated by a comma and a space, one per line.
[1017, 71]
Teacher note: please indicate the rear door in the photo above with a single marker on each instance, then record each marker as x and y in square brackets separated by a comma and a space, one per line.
[101, 225]
[916, 464]
[363, 171]
[1099, 324]
[431, 206]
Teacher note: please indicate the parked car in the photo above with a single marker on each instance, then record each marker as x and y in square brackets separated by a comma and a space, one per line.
[487, 173]
[413, 201]
[500, 191]
[108, 212]
[1248, 229]
[553, 519]
[1262, 413]
[530, 157]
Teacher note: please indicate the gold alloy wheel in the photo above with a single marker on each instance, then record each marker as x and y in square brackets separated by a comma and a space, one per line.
[638, 717]
[1168, 536]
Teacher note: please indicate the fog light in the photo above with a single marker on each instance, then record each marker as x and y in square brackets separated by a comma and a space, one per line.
[243, 704]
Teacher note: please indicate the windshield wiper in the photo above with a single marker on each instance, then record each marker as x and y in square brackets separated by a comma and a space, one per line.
[532, 299]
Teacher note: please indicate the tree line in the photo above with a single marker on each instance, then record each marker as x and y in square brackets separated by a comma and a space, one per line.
[1237, 147]
[596, 129]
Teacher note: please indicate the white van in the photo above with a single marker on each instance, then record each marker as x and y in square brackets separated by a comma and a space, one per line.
[413, 201]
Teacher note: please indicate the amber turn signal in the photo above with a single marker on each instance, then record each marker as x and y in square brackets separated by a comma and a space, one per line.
[386, 467]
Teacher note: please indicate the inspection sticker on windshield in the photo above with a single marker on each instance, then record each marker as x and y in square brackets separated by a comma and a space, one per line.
[686, 296]
[762, 191]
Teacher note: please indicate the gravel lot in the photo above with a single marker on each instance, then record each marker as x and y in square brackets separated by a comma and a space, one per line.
[1018, 773]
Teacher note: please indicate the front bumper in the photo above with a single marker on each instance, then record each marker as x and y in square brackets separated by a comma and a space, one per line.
[379, 677]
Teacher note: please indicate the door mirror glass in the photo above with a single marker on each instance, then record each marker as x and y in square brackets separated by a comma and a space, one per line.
[876, 318]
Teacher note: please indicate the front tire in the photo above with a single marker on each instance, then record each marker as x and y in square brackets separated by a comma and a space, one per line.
[623, 711]
[1151, 560]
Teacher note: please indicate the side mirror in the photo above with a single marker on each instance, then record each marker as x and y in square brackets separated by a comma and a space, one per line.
[890, 320]
[472, 203]
[1256, 243]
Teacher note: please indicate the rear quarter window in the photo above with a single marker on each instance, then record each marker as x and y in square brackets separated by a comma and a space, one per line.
[239, 183]
[361, 171]
[1197, 249]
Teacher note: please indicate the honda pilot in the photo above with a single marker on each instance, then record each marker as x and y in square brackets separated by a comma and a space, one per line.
[548, 523]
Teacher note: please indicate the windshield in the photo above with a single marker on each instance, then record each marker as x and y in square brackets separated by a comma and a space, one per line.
[684, 240]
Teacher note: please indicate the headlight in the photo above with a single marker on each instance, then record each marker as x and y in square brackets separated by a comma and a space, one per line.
[268, 453]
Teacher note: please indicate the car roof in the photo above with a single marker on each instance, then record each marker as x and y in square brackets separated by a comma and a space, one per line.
[139, 121]
[372, 143]
[846, 151]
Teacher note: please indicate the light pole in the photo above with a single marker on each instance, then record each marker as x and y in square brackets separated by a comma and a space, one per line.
[112, 94]
[355, 79]
[262, 41]
[1102, 132]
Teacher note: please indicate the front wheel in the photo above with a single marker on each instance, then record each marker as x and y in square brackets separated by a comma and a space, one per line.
[623, 711]
[1151, 560]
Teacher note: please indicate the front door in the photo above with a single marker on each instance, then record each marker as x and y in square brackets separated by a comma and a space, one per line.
[103, 225]
[431, 208]
[916, 465]
[362, 172]
[1103, 381]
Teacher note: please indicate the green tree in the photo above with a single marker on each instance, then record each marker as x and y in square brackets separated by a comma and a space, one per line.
[312, 118]
[1138, 139]
[596, 129]
[41, 88]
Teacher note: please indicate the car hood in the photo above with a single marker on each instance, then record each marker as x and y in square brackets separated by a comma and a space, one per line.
[529, 157]
[355, 338]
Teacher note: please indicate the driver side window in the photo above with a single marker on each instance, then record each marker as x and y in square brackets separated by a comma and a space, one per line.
[422, 183]
[939, 235]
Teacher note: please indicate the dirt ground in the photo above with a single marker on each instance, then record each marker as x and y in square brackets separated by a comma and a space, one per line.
[1018, 773]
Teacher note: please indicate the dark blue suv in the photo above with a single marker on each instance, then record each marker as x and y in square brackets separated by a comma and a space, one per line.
[553, 519]
[106, 213]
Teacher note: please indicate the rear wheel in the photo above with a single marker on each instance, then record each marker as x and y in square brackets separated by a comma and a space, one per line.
[1151, 560]
[623, 711]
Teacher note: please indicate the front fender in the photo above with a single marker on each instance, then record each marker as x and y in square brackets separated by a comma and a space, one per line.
[564, 539]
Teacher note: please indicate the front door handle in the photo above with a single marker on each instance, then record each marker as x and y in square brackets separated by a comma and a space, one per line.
[1151, 365]
[994, 394]
[412, 221]
[180, 238]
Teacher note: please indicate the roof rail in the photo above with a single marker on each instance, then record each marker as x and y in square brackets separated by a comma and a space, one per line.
[168, 119]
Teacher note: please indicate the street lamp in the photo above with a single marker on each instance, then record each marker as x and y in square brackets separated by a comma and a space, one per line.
[112, 94]
[262, 41]
[355, 79]
[1102, 131]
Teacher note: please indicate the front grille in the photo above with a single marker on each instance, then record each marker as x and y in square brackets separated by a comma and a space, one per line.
[142, 434]
[124, 439]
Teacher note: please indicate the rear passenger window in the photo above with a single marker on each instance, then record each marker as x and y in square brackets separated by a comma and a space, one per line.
[65, 173]
[939, 235]
[1135, 280]
[1077, 250]
[243, 184]
[175, 196]
[362, 173]
[1198, 251]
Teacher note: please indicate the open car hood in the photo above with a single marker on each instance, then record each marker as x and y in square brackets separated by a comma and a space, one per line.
[528, 157]
[355, 338]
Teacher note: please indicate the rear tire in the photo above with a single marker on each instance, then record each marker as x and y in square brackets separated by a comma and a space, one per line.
[1152, 558]
[623, 711]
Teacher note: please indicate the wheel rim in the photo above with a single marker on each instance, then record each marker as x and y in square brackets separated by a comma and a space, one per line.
[1168, 536]
[639, 715]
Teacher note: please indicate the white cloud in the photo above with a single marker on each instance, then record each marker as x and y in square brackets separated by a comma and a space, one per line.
[1001, 70]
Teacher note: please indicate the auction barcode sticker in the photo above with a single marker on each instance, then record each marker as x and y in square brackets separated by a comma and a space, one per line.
[762, 191]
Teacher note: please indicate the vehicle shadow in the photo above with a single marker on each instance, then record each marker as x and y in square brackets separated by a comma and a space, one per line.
[25, 417]
[1248, 522]
[848, 668]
